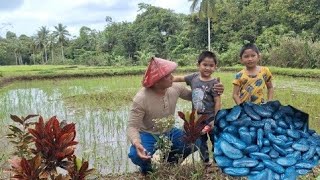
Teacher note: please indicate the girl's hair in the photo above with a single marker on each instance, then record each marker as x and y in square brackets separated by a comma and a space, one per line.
[207, 54]
[249, 46]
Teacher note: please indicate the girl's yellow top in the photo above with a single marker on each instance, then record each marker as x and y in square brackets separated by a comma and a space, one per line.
[251, 87]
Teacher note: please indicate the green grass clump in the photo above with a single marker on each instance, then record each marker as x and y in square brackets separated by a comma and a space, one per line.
[108, 100]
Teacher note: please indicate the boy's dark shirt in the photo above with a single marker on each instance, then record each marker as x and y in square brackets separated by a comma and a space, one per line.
[202, 94]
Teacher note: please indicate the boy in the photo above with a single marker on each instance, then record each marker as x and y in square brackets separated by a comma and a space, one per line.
[204, 99]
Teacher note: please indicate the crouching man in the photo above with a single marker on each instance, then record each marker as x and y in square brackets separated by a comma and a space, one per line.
[156, 100]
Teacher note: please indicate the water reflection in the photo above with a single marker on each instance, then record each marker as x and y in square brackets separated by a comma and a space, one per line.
[33, 101]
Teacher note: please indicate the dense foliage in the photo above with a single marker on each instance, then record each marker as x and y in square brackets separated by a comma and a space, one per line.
[287, 33]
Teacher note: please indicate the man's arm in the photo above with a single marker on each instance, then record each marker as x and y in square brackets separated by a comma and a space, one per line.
[134, 124]
[218, 87]
[236, 94]
[179, 79]
[184, 93]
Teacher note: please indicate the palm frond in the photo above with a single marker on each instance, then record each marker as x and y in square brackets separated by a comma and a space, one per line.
[194, 5]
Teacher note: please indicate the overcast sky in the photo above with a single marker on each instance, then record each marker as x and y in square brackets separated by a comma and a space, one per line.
[27, 16]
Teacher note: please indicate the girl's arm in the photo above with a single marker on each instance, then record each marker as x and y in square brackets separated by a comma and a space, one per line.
[217, 105]
[270, 90]
[236, 94]
[178, 79]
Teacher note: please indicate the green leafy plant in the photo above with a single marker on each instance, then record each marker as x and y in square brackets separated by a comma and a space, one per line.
[54, 146]
[163, 143]
[20, 136]
[79, 169]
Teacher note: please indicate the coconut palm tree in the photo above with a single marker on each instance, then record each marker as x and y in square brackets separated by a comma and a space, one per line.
[42, 40]
[51, 44]
[61, 33]
[206, 9]
[33, 47]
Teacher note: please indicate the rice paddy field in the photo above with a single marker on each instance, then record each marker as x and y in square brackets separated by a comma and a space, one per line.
[99, 107]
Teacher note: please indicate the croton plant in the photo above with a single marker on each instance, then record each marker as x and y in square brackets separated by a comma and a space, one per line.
[193, 125]
[53, 146]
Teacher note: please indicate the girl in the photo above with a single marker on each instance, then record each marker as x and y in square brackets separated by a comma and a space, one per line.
[250, 82]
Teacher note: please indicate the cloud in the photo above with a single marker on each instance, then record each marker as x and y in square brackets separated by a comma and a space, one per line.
[10, 5]
[26, 17]
[103, 6]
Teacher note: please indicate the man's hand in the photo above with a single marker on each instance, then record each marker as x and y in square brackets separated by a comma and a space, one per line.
[142, 152]
[219, 88]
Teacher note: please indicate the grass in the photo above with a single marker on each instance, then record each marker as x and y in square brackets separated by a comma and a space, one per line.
[109, 100]
[99, 107]
[9, 74]
[183, 172]
[293, 72]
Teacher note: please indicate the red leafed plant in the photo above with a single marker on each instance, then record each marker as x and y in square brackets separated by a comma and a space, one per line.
[26, 169]
[55, 142]
[193, 125]
[79, 170]
[54, 146]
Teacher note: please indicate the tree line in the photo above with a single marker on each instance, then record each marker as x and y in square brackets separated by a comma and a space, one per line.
[286, 31]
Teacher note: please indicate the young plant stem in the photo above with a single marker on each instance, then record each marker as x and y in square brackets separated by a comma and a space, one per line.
[192, 150]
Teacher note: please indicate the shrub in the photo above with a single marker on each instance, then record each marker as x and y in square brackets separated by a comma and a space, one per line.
[187, 59]
[230, 57]
[296, 53]
[53, 146]
[20, 136]
[143, 57]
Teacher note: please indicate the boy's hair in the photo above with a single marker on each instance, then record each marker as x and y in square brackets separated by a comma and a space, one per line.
[249, 46]
[207, 54]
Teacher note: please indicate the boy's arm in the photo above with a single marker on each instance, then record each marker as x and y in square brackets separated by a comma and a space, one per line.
[270, 90]
[179, 79]
[217, 107]
[236, 94]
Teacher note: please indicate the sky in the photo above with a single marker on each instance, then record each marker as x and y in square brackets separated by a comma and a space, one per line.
[27, 16]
